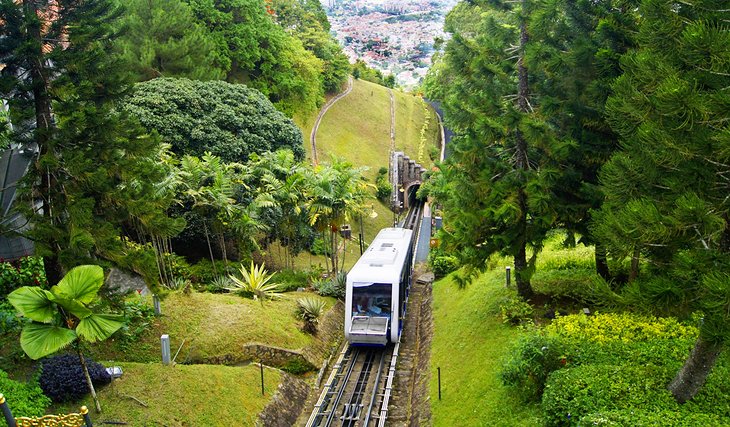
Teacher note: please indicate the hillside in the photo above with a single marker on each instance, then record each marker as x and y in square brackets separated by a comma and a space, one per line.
[357, 128]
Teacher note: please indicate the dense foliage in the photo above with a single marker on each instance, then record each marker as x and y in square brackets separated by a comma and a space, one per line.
[163, 38]
[227, 120]
[26, 271]
[62, 377]
[23, 399]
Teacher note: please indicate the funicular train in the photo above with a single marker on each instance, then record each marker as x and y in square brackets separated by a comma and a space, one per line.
[377, 287]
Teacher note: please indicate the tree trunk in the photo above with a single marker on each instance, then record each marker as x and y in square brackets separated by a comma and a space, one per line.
[693, 374]
[43, 132]
[601, 262]
[524, 289]
[88, 380]
[210, 248]
[522, 162]
[634, 272]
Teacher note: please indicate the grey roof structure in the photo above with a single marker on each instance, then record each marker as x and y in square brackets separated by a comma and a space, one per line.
[14, 164]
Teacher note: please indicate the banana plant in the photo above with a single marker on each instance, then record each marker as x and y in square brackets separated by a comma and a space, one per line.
[62, 316]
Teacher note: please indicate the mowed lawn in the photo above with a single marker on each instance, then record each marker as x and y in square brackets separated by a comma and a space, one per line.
[214, 326]
[469, 344]
[181, 396]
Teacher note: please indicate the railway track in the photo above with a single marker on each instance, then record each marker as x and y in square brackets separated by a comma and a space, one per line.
[359, 388]
[354, 392]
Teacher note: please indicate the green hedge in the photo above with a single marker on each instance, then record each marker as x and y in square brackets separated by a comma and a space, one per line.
[571, 394]
[24, 400]
[638, 418]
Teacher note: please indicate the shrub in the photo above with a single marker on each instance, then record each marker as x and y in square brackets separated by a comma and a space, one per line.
[382, 185]
[664, 418]
[575, 284]
[442, 264]
[290, 280]
[571, 394]
[254, 283]
[515, 310]
[9, 320]
[310, 310]
[609, 339]
[202, 272]
[26, 271]
[334, 287]
[24, 399]
[139, 315]
[297, 366]
[532, 360]
[62, 377]
[320, 247]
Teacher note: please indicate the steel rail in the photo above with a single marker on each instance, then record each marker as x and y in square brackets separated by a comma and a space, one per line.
[375, 391]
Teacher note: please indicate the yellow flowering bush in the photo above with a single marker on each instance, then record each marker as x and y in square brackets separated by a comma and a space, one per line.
[620, 327]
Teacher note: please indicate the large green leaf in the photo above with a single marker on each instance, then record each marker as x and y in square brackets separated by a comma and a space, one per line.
[81, 283]
[99, 327]
[72, 306]
[34, 303]
[39, 340]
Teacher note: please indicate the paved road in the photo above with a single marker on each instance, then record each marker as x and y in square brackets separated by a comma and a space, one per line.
[325, 107]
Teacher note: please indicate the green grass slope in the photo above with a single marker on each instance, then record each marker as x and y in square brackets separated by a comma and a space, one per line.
[182, 395]
[469, 344]
[214, 327]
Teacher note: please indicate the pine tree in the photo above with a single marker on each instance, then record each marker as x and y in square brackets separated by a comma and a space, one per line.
[496, 188]
[576, 58]
[666, 190]
[162, 38]
[94, 167]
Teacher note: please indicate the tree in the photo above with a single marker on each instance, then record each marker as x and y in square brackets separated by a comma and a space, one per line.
[230, 121]
[497, 187]
[575, 58]
[92, 163]
[335, 193]
[163, 38]
[261, 53]
[666, 190]
[63, 316]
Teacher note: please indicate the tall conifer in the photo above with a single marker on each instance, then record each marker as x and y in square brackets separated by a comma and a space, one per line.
[94, 168]
[667, 189]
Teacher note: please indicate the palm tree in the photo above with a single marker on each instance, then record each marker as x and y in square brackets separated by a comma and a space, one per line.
[62, 316]
[336, 193]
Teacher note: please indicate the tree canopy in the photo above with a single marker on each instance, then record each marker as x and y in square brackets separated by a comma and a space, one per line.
[163, 38]
[228, 120]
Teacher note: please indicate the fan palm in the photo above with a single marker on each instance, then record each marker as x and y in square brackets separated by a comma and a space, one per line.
[62, 316]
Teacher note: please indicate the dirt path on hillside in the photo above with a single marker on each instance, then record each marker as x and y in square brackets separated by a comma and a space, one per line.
[325, 107]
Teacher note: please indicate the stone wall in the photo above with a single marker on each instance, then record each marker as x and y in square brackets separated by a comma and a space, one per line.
[257, 352]
[286, 404]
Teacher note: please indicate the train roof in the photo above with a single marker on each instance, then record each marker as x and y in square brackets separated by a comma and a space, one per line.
[383, 260]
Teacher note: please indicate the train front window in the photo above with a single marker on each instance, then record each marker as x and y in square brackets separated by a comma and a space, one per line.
[371, 299]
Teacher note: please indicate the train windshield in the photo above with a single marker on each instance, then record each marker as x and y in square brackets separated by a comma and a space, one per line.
[371, 299]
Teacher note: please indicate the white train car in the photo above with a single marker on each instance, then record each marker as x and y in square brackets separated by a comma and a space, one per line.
[377, 287]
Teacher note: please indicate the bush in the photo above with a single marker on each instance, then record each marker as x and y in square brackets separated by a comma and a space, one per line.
[608, 339]
[202, 272]
[320, 247]
[638, 418]
[442, 264]
[290, 280]
[533, 359]
[575, 284]
[515, 310]
[571, 394]
[310, 310]
[62, 377]
[297, 366]
[9, 320]
[382, 185]
[26, 271]
[334, 287]
[24, 400]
